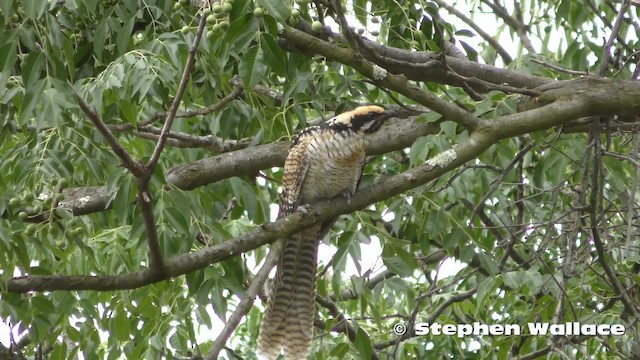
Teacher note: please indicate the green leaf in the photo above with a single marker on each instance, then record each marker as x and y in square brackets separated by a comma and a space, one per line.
[99, 38]
[252, 68]
[360, 9]
[363, 345]
[34, 8]
[121, 326]
[42, 304]
[513, 279]
[7, 7]
[485, 288]
[124, 35]
[274, 56]
[8, 57]
[279, 9]
[340, 351]
[33, 68]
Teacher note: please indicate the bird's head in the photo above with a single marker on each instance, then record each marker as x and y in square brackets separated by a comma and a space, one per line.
[367, 119]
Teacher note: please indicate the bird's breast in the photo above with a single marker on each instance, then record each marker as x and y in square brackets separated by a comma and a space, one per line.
[335, 166]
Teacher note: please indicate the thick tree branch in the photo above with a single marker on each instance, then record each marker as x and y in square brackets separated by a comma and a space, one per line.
[574, 100]
[423, 65]
[380, 76]
[395, 135]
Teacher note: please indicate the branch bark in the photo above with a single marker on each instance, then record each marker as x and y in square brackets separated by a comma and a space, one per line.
[423, 65]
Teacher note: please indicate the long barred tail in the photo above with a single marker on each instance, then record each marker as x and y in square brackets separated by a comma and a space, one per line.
[288, 321]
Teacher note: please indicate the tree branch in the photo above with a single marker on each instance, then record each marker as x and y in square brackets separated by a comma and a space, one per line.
[343, 325]
[186, 140]
[380, 76]
[237, 92]
[422, 65]
[247, 300]
[134, 166]
[493, 42]
[514, 23]
[186, 263]
[191, 59]
[430, 319]
[394, 135]
[615, 30]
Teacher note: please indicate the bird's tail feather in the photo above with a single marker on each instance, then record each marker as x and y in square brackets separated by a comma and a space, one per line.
[288, 320]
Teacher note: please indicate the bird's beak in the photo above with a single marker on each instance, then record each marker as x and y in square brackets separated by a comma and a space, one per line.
[388, 114]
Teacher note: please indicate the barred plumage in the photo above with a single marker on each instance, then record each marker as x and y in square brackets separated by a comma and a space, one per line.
[323, 162]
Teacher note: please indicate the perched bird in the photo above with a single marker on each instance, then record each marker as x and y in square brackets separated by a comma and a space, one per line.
[324, 161]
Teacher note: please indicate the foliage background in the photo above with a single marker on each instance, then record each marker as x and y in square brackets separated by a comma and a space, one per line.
[528, 217]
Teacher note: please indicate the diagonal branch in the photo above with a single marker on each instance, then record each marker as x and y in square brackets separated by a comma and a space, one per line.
[514, 23]
[191, 59]
[134, 166]
[430, 319]
[247, 301]
[615, 30]
[342, 325]
[493, 42]
[186, 263]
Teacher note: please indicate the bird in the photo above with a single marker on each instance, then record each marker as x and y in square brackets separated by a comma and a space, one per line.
[323, 162]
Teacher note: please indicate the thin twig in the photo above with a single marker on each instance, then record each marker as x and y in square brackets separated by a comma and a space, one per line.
[596, 194]
[430, 319]
[498, 181]
[145, 202]
[343, 325]
[632, 193]
[352, 39]
[622, 156]
[237, 92]
[490, 86]
[559, 68]
[350, 294]
[187, 140]
[607, 23]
